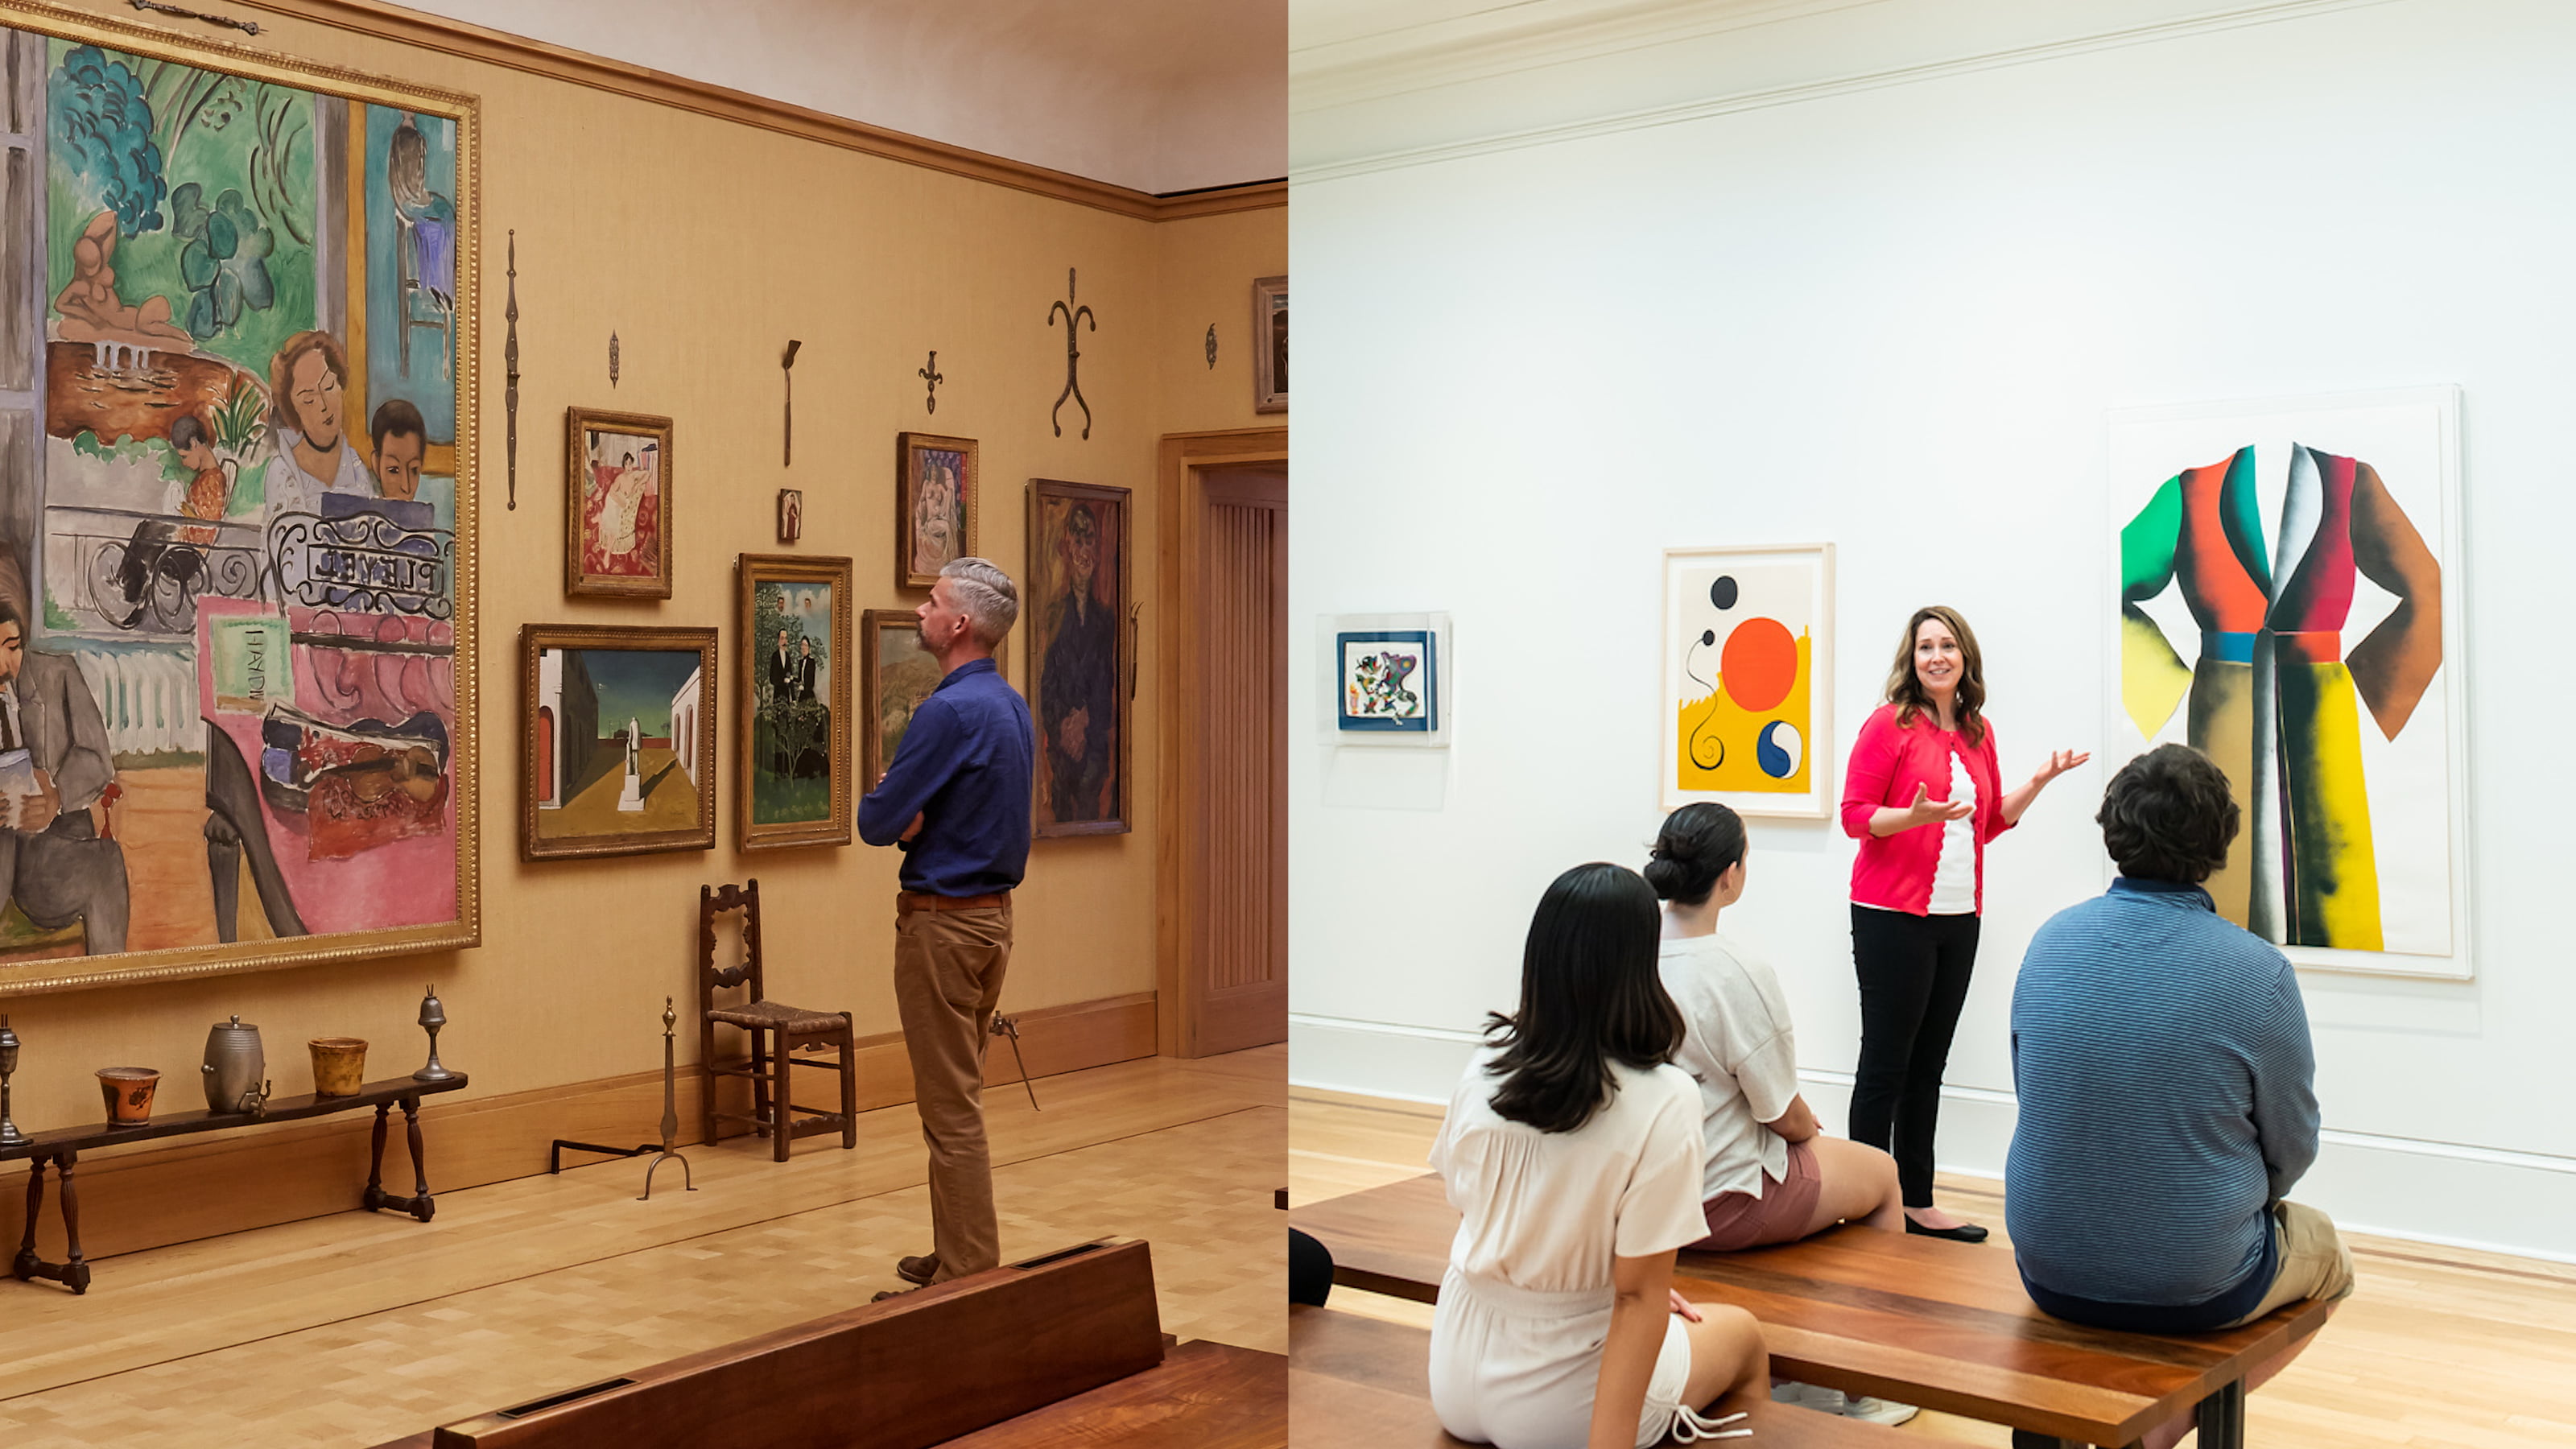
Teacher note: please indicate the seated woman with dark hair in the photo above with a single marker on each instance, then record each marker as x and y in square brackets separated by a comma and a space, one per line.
[1768, 1173]
[1572, 1153]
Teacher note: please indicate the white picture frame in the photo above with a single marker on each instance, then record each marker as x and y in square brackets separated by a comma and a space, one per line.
[1770, 751]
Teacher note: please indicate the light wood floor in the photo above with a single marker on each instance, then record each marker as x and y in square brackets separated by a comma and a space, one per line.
[358, 1328]
[2437, 1346]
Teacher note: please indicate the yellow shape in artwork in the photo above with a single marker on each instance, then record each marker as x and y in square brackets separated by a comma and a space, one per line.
[2153, 678]
[1721, 744]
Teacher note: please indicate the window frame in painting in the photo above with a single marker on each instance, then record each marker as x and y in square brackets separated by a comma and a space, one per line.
[534, 638]
[907, 487]
[1123, 675]
[1819, 800]
[463, 930]
[751, 571]
[578, 423]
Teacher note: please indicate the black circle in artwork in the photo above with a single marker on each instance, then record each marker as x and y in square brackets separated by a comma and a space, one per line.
[1722, 593]
[1707, 636]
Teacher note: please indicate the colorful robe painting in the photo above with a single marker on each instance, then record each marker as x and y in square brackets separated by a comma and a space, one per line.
[2275, 698]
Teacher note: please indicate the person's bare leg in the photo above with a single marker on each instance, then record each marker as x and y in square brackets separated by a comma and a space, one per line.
[1858, 1185]
[1726, 1355]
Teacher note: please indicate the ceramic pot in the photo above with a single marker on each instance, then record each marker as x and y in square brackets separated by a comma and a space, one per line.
[128, 1091]
[235, 1065]
[339, 1065]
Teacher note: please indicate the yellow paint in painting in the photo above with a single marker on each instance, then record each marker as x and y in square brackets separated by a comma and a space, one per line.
[1715, 720]
[2339, 805]
[2152, 676]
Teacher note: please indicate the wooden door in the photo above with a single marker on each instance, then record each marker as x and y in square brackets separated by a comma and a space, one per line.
[1235, 990]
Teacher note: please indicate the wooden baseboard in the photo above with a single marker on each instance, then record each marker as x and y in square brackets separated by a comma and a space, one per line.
[159, 1194]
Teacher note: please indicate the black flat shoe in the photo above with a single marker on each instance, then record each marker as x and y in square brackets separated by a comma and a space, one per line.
[1963, 1233]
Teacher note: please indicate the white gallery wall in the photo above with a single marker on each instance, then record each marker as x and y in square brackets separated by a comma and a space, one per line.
[1892, 312]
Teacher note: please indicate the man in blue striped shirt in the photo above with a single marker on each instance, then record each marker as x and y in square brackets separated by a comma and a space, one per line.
[2161, 1058]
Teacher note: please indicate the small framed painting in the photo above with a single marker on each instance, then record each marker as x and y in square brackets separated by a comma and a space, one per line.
[617, 740]
[1079, 651]
[617, 504]
[792, 736]
[895, 675]
[791, 514]
[938, 492]
[1390, 680]
[1270, 345]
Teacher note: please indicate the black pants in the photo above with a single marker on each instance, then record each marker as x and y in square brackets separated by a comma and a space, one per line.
[1913, 982]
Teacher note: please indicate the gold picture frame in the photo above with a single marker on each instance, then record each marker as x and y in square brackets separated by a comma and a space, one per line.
[617, 485]
[1085, 781]
[775, 698]
[929, 459]
[565, 776]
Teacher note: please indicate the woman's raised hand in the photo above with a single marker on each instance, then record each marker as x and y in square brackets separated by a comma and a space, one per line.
[1924, 810]
[2058, 764]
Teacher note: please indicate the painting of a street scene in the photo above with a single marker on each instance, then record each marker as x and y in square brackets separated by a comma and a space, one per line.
[619, 745]
[231, 490]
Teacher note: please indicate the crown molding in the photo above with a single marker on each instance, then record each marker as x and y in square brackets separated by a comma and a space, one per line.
[1562, 70]
[536, 57]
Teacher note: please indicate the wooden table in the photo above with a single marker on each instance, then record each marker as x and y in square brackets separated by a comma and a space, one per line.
[62, 1147]
[1922, 1320]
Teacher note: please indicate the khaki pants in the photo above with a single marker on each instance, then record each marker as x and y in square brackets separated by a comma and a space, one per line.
[2314, 1261]
[948, 968]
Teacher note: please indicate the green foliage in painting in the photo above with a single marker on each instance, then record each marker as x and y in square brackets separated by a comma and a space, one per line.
[225, 261]
[102, 129]
[241, 424]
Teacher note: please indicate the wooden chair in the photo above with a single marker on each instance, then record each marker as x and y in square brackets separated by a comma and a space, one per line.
[777, 1032]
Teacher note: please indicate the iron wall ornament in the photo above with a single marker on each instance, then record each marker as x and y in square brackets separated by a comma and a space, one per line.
[246, 27]
[1211, 346]
[1074, 317]
[929, 372]
[510, 369]
[612, 359]
[787, 365]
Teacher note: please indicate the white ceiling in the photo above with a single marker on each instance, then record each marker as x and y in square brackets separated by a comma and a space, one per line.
[1157, 95]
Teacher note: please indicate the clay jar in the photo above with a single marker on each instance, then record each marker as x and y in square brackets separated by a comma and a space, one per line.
[128, 1091]
[234, 1067]
[339, 1065]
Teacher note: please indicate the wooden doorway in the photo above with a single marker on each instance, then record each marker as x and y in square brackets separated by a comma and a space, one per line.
[1223, 868]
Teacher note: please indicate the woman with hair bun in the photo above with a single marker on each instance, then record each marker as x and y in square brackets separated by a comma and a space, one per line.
[1768, 1173]
[1572, 1153]
[1923, 796]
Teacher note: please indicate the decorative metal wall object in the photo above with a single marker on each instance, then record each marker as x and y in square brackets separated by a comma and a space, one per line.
[246, 27]
[1211, 346]
[929, 372]
[787, 365]
[510, 368]
[612, 359]
[1074, 317]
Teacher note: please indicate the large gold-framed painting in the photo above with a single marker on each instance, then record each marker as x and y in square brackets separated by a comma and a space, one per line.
[237, 722]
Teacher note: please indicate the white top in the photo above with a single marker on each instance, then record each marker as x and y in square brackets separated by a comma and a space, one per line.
[1954, 879]
[1740, 1050]
[1547, 1211]
[289, 489]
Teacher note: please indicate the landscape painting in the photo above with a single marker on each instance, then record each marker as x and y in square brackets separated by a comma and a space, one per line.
[235, 476]
[2286, 600]
[1078, 655]
[617, 740]
[1748, 679]
[793, 742]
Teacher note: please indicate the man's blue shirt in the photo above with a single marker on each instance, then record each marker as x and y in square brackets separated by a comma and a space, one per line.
[964, 767]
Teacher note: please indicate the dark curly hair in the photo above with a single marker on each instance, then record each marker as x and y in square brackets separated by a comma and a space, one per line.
[1590, 996]
[2168, 816]
[1698, 843]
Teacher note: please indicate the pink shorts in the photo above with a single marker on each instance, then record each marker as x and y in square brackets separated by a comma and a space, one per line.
[1778, 1214]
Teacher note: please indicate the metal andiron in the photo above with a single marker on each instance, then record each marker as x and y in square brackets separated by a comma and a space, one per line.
[670, 1111]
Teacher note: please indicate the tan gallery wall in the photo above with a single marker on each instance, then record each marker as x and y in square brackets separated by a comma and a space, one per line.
[705, 244]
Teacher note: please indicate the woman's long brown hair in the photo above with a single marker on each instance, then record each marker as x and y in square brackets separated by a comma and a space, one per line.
[1906, 692]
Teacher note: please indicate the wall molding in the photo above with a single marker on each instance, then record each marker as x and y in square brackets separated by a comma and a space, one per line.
[555, 62]
[154, 1195]
[2454, 1194]
[1523, 52]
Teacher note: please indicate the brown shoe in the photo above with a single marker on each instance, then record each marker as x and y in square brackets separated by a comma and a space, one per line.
[917, 1270]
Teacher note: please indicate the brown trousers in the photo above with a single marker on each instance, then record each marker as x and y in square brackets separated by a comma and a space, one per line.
[948, 968]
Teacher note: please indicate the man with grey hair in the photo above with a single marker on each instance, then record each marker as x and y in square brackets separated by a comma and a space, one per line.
[956, 802]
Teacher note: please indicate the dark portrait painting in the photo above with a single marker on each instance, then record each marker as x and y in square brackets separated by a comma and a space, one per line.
[1077, 607]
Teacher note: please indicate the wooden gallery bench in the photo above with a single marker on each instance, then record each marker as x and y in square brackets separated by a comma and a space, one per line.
[1363, 1383]
[1066, 1349]
[1920, 1320]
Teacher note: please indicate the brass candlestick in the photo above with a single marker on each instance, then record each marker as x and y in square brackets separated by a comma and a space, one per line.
[433, 1015]
[10, 1136]
[670, 1110]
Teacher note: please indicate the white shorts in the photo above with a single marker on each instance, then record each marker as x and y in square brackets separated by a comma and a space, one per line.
[1516, 1368]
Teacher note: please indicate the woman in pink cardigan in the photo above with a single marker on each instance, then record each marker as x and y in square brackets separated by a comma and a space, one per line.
[1922, 796]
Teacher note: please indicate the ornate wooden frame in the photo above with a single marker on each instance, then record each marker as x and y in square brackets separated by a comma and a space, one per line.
[907, 487]
[750, 571]
[1269, 390]
[579, 422]
[536, 637]
[1036, 598]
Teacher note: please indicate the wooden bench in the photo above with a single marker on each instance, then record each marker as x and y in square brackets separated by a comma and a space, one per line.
[1063, 1349]
[1920, 1320]
[1362, 1383]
